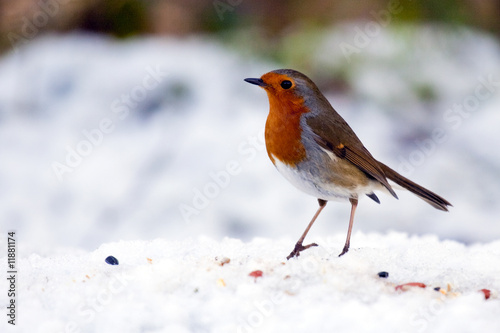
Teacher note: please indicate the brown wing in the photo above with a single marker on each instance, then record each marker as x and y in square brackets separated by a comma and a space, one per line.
[332, 133]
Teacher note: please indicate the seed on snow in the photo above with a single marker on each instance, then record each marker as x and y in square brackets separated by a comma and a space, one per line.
[383, 274]
[112, 260]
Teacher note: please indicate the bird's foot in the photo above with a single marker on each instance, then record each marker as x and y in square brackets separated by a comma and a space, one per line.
[299, 248]
[344, 251]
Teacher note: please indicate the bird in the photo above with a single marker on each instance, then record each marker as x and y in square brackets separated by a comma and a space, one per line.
[315, 149]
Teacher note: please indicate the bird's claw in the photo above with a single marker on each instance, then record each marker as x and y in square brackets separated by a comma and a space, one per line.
[298, 248]
[344, 251]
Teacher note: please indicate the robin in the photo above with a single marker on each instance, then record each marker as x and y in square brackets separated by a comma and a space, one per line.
[313, 147]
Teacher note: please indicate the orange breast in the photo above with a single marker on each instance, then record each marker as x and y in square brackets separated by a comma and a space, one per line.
[283, 132]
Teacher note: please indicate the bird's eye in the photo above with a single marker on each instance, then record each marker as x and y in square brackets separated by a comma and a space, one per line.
[286, 84]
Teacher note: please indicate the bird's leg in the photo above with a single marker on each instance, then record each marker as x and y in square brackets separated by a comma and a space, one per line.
[354, 204]
[299, 247]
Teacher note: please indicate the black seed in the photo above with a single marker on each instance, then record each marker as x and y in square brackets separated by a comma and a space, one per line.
[383, 274]
[111, 260]
[437, 288]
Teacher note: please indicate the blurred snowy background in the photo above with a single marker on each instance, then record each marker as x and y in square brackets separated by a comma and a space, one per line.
[125, 120]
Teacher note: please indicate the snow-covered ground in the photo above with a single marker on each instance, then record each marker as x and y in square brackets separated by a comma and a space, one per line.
[202, 285]
[141, 149]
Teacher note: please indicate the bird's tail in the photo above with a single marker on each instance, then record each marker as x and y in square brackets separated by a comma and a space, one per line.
[430, 197]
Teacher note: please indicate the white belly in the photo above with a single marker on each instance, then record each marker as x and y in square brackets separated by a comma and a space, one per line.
[316, 187]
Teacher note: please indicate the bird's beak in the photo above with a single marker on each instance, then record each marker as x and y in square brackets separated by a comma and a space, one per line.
[257, 82]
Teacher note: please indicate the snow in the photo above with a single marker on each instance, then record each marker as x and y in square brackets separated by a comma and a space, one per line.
[161, 147]
[182, 286]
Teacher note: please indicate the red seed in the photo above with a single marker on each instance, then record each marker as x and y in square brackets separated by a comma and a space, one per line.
[403, 287]
[486, 292]
[256, 274]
